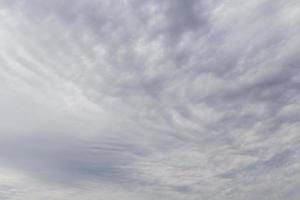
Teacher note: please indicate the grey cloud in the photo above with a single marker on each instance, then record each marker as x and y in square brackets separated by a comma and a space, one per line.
[67, 160]
[181, 100]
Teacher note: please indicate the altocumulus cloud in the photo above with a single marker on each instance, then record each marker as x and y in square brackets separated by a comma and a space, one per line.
[149, 99]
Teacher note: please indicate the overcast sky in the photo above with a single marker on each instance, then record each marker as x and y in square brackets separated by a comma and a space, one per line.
[149, 99]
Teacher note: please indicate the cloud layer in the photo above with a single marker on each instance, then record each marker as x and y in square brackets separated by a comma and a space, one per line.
[149, 99]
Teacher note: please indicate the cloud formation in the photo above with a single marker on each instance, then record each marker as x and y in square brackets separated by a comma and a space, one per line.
[149, 99]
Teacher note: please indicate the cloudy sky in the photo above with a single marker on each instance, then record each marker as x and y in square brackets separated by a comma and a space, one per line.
[149, 99]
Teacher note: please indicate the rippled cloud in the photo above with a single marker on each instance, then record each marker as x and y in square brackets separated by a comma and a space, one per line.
[149, 99]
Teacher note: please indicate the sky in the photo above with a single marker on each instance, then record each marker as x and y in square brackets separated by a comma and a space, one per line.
[149, 99]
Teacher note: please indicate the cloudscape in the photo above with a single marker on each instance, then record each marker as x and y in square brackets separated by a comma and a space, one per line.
[149, 99]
